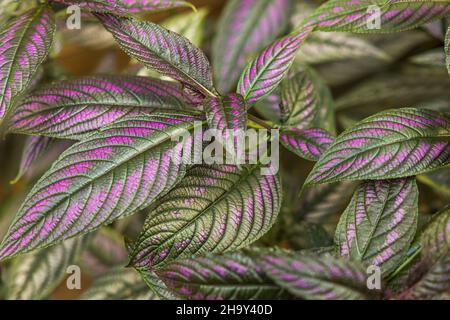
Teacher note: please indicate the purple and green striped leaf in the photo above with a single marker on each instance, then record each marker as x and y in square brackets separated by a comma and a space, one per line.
[110, 174]
[157, 285]
[267, 70]
[105, 249]
[73, 109]
[119, 284]
[34, 276]
[313, 276]
[246, 27]
[447, 50]
[360, 16]
[232, 276]
[162, 50]
[379, 224]
[306, 100]
[227, 114]
[392, 144]
[24, 44]
[125, 6]
[308, 144]
[214, 209]
[34, 148]
[429, 276]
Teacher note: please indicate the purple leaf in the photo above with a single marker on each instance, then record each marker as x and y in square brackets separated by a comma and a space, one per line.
[361, 15]
[74, 108]
[34, 148]
[309, 144]
[392, 144]
[268, 69]
[214, 209]
[232, 276]
[306, 100]
[24, 44]
[380, 222]
[312, 276]
[246, 27]
[125, 6]
[110, 174]
[165, 51]
[227, 113]
[429, 275]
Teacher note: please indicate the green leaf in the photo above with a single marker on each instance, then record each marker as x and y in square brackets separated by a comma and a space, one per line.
[119, 284]
[431, 271]
[323, 47]
[379, 224]
[232, 276]
[157, 286]
[392, 144]
[188, 24]
[306, 101]
[439, 180]
[34, 276]
[215, 209]
[111, 174]
[314, 276]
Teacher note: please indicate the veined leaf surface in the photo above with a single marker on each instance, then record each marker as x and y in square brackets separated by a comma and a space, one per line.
[232, 276]
[309, 144]
[361, 15]
[313, 276]
[74, 108]
[126, 6]
[34, 276]
[110, 174]
[214, 209]
[447, 49]
[165, 51]
[25, 43]
[267, 70]
[245, 27]
[392, 144]
[380, 222]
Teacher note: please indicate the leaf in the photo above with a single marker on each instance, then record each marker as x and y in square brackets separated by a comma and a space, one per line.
[360, 16]
[104, 250]
[447, 49]
[392, 144]
[119, 284]
[26, 42]
[111, 174]
[227, 114]
[379, 224]
[267, 70]
[232, 276]
[324, 47]
[306, 100]
[163, 50]
[305, 235]
[126, 6]
[245, 28]
[190, 25]
[34, 148]
[431, 271]
[308, 144]
[312, 276]
[74, 108]
[214, 209]
[34, 276]
[157, 286]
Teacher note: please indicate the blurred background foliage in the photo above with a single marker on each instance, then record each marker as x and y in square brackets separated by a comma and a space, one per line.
[365, 73]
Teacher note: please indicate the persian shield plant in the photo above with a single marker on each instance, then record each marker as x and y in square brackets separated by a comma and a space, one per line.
[111, 162]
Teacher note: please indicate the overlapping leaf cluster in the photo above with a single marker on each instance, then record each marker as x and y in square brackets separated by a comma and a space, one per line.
[202, 237]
